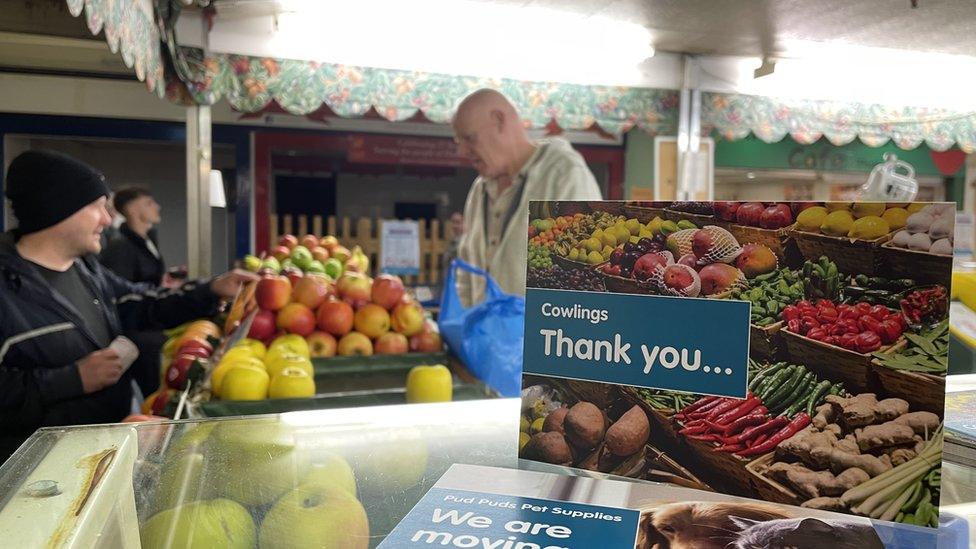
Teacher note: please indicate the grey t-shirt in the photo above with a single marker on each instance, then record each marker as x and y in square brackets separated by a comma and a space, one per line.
[77, 292]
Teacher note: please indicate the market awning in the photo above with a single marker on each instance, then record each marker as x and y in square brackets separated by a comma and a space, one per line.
[250, 84]
[130, 28]
[734, 116]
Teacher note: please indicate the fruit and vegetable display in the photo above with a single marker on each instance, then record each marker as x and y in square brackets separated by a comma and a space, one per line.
[835, 412]
[310, 254]
[186, 349]
[560, 278]
[864, 455]
[929, 229]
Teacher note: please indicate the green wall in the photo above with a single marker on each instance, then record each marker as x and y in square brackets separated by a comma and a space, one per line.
[638, 160]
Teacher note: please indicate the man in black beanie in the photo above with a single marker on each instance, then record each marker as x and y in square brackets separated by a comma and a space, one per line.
[61, 309]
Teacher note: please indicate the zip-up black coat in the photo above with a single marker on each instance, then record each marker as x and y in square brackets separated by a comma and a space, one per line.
[128, 256]
[42, 337]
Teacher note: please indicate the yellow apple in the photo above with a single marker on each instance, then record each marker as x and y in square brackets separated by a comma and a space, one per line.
[291, 382]
[334, 470]
[235, 353]
[214, 523]
[294, 342]
[256, 346]
[290, 360]
[245, 383]
[429, 384]
[314, 515]
[217, 376]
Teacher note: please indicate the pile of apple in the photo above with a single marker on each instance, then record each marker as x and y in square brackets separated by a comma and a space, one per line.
[354, 316]
[757, 214]
[251, 371]
[186, 344]
[311, 254]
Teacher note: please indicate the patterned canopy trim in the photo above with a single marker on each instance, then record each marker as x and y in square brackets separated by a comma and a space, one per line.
[129, 26]
[734, 116]
[251, 83]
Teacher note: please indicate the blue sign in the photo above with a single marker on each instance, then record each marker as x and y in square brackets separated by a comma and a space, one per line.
[669, 343]
[461, 518]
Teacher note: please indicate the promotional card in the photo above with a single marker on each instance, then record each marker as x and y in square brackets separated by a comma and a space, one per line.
[793, 353]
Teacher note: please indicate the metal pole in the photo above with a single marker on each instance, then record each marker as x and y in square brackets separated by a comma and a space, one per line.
[198, 163]
[689, 132]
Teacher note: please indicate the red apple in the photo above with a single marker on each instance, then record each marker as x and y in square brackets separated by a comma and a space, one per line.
[178, 369]
[296, 318]
[320, 254]
[289, 241]
[426, 342]
[321, 344]
[341, 253]
[263, 326]
[776, 216]
[387, 291]
[391, 343]
[311, 291]
[335, 317]
[195, 351]
[354, 344]
[194, 346]
[294, 274]
[354, 287]
[749, 213]
[726, 210]
[309, 241]
[273, 292]
[281, 253]
[372, 320]
[408, 318]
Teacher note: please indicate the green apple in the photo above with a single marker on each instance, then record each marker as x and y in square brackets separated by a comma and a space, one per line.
[201, 525]
[316, 515]
[301, 257]
[333, 268]
[334, 471]
[255, 462]
[252, 263]
[180, 481]
[271, 263]
[288, 263]
[316, 266]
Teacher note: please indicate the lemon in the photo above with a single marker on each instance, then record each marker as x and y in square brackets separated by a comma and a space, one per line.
[915, 207]
[609, 238]
[896, 217]
[537, 424]
[837, 206]
[523, 440]
[634, 226]
[595, 258]
[810, 219]
[864, 209]
[837, 223]
[622, 233]
[869, 228]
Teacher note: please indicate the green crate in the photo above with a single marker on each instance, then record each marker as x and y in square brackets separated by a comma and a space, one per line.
[370, 373]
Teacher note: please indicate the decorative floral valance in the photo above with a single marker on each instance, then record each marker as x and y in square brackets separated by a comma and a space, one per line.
[300, 87]
[733, 116]
[130, 27]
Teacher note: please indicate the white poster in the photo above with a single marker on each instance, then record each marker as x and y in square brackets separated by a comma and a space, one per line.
[400, 247]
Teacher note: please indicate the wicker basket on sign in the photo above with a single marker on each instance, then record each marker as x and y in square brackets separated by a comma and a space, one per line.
[570, 264]
[764, 341]
[832, 362]
[766, 488]
[642, 214]
[726, 468]
[852, 255]
[777, 240]
[615, 207]
[924, 267]
[699, 220]
[925, 392]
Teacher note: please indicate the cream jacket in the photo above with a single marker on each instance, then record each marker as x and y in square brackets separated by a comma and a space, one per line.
[554, 172]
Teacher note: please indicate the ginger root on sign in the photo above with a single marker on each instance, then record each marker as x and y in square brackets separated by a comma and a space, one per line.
[825, 504]
[884, 435]
[813, 484]
[921, 422]
[872, 465]
[902, 455]
[825, 416]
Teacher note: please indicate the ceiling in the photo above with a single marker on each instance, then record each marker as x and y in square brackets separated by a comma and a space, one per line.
[750, 27]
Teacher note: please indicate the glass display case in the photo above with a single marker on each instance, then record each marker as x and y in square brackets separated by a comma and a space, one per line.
[329, 478]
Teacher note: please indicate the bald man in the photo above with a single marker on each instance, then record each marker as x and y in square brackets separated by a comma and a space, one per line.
[512, 169]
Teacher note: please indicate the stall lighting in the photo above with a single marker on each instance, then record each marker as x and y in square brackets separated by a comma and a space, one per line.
[217, 197]
[464, 37]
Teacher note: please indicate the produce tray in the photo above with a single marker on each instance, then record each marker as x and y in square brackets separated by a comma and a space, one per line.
[351, 399]
[764, 341]
[924, 267]
[766, 488]
[852, 255]
[644, 214]
[832, 362]
[355, 373]
[922, 391]
[779, 241]
[698, 219]
[722, 468]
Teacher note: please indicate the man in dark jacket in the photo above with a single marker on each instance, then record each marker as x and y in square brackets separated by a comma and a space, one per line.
[61, 309]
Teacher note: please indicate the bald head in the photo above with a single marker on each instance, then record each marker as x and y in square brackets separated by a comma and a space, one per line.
[489, 132]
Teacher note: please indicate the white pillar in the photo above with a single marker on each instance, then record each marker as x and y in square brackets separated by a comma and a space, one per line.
[198, 222]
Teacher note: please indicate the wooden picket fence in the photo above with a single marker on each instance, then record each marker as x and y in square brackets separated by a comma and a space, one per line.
[365, 233]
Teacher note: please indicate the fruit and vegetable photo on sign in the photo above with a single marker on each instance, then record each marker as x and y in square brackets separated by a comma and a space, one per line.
[790, 352]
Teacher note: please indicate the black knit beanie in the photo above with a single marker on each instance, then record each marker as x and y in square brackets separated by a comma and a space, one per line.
[47, 187]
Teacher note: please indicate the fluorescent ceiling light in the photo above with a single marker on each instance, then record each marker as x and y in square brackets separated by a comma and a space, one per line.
[464, 37]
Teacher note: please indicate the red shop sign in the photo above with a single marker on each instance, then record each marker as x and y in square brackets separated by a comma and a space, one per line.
[390, 149]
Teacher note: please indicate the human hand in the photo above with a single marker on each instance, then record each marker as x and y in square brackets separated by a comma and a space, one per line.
[99, 370]
[227, 284]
